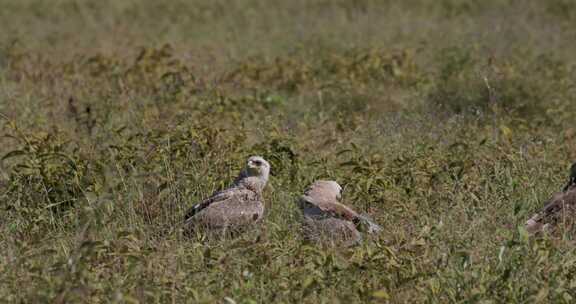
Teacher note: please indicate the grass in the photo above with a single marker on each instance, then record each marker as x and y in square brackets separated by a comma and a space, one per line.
[450, 123]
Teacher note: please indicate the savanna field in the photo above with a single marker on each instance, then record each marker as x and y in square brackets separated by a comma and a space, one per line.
[448, 122]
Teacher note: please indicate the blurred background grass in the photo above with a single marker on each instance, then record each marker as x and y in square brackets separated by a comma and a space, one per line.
[450, 122]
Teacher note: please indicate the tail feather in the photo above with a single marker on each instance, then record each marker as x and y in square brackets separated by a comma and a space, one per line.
[533, 226]
[538, 223]
[370, 226]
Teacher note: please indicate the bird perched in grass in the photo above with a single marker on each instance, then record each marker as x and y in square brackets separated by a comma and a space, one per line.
[328, 221]
[235, 208]
[559, 210]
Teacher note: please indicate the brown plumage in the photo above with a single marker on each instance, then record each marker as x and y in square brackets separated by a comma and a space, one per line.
[235, 208]
[328, 221]
[559, 210]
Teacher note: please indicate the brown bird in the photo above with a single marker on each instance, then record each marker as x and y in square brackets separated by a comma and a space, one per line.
[235, 208]
[559, 210]
[328, 221]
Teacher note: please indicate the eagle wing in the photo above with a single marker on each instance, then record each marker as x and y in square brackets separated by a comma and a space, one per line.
[216, 197]
[235, 207]
[330, 207]
[559, 205]
[322, 208]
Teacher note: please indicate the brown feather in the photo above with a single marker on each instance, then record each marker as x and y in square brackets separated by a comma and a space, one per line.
[560, 208]
[235, 208]
[326, 220]
[330, 230]
[337, 209]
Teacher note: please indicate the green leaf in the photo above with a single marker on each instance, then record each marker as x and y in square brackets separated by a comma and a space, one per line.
[381, 294]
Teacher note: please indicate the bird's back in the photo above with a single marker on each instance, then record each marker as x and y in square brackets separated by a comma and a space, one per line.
[561, 208]
[235, 210]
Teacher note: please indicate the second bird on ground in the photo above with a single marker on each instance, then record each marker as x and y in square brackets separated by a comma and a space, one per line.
[559, 210]
[328, 221]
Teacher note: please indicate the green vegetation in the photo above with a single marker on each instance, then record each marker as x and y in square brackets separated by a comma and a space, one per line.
[449, 122]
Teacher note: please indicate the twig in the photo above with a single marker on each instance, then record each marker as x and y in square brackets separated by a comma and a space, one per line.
[489, 88]
[493, 101]
[2, 115]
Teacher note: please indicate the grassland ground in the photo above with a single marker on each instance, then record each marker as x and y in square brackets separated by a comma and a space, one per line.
[449, 122]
